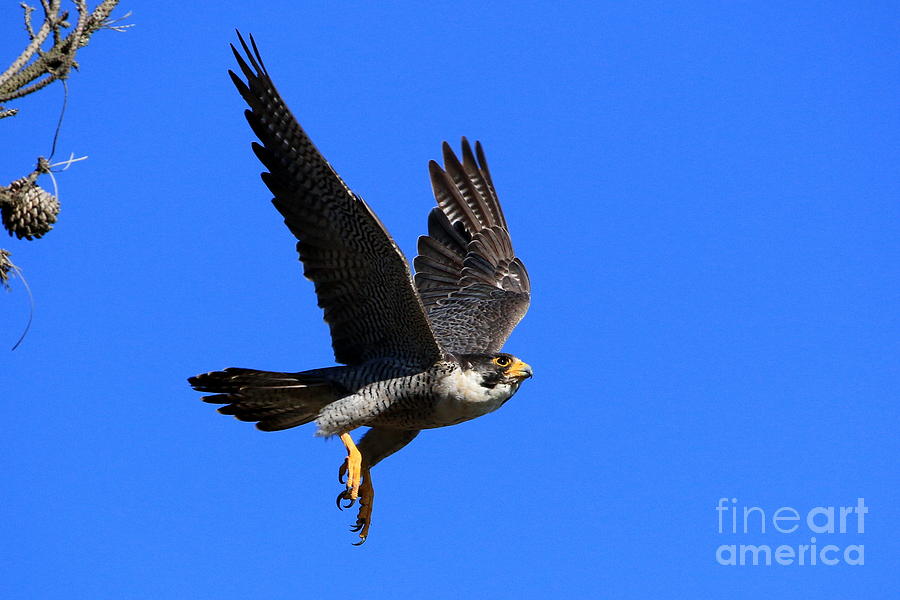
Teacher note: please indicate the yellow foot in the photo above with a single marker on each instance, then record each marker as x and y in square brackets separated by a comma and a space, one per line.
[352, 467]
[366, 496]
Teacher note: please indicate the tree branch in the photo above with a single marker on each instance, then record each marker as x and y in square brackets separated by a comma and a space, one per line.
[59, 59]
[26, 210]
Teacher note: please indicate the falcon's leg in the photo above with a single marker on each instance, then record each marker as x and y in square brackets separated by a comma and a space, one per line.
[375, 445]
[353, 467]
[366, 496]
[364, 517]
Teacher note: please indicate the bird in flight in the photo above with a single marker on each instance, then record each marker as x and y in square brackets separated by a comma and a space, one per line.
[415, 353]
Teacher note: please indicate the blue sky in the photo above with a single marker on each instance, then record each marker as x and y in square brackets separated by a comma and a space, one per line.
[705, 196]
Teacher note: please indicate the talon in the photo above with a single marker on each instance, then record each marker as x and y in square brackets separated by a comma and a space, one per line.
[359, 487]
[364, 517]
[360, 523]
[343, 496]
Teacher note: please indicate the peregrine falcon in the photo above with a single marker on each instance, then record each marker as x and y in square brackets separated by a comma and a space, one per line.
[416, 353]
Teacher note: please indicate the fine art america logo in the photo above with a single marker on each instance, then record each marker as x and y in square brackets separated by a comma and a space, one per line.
[818, 527]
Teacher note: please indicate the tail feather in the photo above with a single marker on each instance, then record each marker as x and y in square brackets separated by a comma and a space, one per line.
[275, 401]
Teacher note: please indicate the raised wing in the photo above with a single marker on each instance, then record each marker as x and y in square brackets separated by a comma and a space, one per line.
[471, 283]
[361, 278]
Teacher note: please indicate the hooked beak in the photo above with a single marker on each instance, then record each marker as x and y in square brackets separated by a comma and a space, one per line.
[520, 370]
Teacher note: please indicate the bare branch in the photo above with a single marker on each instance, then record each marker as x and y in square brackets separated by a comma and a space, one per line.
[30, 89]
[100, 16]
[59, 59]
[6, 266]
[36, 40]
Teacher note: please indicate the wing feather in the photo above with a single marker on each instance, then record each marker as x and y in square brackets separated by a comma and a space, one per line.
[471, 283]
[361, 278]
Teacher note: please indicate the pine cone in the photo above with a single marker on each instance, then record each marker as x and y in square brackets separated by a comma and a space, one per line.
[28, 210]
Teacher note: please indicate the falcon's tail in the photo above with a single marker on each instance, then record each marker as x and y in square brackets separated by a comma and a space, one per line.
[275, 400]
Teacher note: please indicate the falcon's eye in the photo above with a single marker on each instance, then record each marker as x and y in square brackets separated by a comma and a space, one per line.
[502, 361]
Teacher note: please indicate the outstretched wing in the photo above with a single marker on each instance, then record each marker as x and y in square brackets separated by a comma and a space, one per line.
[361, 278]
[471, 283]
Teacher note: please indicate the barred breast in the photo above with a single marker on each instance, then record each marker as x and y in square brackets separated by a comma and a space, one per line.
[444, 395]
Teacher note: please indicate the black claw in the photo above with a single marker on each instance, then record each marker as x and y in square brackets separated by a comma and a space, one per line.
[343, 496]
[362, 524]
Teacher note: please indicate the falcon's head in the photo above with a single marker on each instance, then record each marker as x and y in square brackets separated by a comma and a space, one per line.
[497, 369]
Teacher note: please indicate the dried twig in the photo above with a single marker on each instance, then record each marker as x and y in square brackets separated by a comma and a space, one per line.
[7, 266]
[36, 67]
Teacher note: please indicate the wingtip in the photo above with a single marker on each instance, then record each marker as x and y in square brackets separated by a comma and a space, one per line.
[482, 162]
[467, 157]
[449, 156]
[237, 81]
[254, 58]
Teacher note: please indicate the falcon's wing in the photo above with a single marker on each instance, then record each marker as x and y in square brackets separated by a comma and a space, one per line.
[361, 278]
[469, 279]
